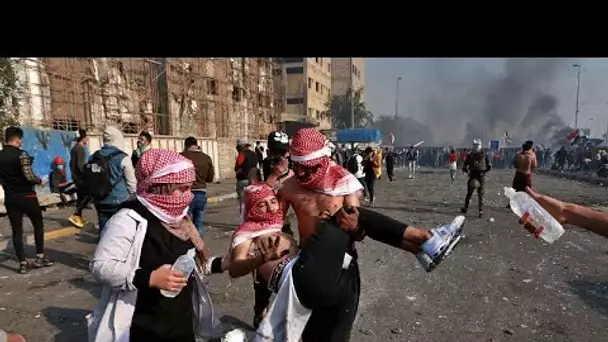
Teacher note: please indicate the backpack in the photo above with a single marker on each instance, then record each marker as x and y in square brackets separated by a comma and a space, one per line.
[352, 166]
[478, 162]
[96, 176]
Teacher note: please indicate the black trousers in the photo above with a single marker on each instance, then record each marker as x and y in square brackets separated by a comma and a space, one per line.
[390, 172]
[325, 287]
[81, 201]
[475, 182]
[16, 207]
[370, 181]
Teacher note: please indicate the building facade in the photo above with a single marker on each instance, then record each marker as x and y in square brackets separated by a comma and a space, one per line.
[307, 89]
[342, 69]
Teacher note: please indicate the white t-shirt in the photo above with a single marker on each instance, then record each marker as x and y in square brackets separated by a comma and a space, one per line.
[359, 173]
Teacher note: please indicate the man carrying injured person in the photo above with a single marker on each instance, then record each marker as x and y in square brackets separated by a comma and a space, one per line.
[314, 282]
[320, 186]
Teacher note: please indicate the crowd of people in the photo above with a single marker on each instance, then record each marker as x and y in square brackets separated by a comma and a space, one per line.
[150, 210]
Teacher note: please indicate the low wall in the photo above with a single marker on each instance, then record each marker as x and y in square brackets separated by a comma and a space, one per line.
[45, 145]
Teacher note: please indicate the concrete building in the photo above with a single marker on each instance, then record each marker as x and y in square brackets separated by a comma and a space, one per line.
[216, 100]
[341, 71]
[307, 89]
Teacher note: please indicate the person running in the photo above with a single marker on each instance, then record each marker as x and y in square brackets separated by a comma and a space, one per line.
[412, 158]
[369, 166]
[78, 158]
[19, 181]
[453, 163]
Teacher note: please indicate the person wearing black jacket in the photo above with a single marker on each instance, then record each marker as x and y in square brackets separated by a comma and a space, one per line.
[18, 181]
[246, 169]
[476, 165]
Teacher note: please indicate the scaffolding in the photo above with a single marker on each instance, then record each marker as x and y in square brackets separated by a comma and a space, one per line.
[204, 97]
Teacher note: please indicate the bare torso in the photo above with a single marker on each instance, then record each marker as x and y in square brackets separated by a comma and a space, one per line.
[525, 162]
[309, 204]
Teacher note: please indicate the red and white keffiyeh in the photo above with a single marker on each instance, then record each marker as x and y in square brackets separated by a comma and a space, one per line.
[311, 148]
[158, 166]
[257, 222]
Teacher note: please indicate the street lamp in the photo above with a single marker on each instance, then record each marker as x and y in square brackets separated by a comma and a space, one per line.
[352, 95]
[578, 89]
[397, 96]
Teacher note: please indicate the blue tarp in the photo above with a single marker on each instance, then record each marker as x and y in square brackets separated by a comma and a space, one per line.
[359, 135]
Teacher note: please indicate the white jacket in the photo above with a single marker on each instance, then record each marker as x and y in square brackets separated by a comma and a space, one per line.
[114, 264]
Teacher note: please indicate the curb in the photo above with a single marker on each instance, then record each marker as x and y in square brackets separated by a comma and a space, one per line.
[64, 232]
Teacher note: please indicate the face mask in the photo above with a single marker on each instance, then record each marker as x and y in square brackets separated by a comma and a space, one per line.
[476, 148]
[60, 167]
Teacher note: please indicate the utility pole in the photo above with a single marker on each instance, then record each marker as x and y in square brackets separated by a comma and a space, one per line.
[397, 97]
[578, 89]
[352, 94]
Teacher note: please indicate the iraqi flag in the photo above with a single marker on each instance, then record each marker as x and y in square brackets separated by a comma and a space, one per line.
[574, 137]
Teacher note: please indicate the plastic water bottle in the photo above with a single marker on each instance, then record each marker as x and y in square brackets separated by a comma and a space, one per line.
[236, 335]
[185, 264]
[532, 213]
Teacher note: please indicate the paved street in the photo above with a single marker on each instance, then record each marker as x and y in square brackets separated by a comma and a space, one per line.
[499, 285]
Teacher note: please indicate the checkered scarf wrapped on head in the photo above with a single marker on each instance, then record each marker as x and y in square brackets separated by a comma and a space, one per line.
[164, 170]
[258, 222]
[311, 148]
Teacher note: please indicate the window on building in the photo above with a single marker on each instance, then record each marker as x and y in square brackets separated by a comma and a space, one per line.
[310, 112]
[318, 114]
[322, 89]
[292, 59]
[294, 71]
[237, 94]
[317, 59]
[329, 67]
[212, 87]
[295, 100]
[317, 86]
[277, 72]
[309, 83]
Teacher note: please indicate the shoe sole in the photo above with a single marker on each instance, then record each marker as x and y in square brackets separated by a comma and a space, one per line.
[76, 224]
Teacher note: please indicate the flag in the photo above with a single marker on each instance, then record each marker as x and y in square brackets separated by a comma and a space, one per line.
[575, 137]
[391, 137]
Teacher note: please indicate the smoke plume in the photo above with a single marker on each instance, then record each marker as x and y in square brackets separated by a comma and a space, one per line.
[476, 103]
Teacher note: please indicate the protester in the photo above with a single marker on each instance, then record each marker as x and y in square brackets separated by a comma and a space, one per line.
[320, 185]
[356, 167]
[377, 164]
[18, 181]
[121, 175]
[205, 173]
[389, 158]
[78, 158]
[525, 162]
[453, 163]
[144, 141]
[369, 166]
[245, 168]
[314, 273]
[259, 153]
[58, 181]
[134, 257]
[476, 166]
[412, 159]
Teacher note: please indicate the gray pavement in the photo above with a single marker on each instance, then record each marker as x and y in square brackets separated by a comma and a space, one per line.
[500, 284]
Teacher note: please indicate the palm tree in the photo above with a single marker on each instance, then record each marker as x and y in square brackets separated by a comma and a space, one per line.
[338, 109]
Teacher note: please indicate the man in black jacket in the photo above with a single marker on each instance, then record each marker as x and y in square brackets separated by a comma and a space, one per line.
[18, 181]
[476, 165]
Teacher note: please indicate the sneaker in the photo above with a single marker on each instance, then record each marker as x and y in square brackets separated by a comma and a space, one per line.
[24, 267]
[77, 221]
[42, 262]
[443, 241]
[425, 261]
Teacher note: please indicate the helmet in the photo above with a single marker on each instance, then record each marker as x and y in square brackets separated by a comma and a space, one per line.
[277, 141]
[58, 161]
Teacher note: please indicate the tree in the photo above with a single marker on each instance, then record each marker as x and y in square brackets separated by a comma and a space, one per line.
[407, 131]
[338, 109]
[9, 92]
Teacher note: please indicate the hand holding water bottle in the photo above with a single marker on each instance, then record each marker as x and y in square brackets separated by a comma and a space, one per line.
[553, 206]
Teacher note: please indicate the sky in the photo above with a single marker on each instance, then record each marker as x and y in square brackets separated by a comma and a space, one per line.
[446, 82]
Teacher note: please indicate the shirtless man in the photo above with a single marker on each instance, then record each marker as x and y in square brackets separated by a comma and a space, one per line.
[525, 162]
[320, 185]
[259, 247]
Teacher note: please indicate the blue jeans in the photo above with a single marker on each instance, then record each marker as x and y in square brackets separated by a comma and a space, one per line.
[104, 212]
[197, 208]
